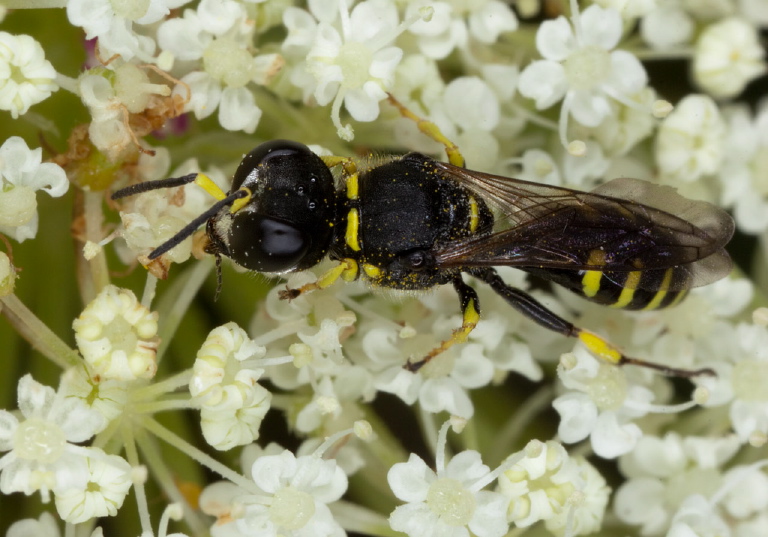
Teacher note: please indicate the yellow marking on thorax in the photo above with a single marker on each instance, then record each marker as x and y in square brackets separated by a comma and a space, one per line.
[590, 282]
[352, 186]
[474, 214]
[662, 292]
[628, 291]
[353, 227]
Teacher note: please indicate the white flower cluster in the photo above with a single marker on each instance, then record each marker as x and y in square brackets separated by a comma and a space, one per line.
[557, 93]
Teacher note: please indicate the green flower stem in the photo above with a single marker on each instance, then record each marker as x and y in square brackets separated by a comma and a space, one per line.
[66, 82]
[138, 486]
[203, 458]
[160, 473]
[510, 433]
[94, 220]
[152, 407]
[175, 302]
[355, 518]
[42, 338]
[168, 385]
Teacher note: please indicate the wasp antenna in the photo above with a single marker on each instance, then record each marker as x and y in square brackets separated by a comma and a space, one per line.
[190, 228]
[153, 185]
[218, 277]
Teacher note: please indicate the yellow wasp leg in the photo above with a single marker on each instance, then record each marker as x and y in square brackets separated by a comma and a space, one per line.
[433, 131]
[470, 309]
[347, 270]
[347, 163]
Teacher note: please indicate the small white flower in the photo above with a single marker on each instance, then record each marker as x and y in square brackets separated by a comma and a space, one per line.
[40, 452]
[601, 405]
[690, 139]
[442, 384]
[626, 126]
[218, 35]
[449, 501]
[117, 336]
[564, 170]
[453, 23]
[631, 9]
[220, 376]
[297, 491]
[744, 173]
[580, 68]
[324, 405]
[728, 55]
[747, 493]
[539, 485]
[355, 66]
[112, 22]
[45, 526]
[229, 427]
[108, 483]
[111, 96]
[696, 517]
[547, 484]
[225, 381]
[22, 174]
[26, 77]
[741, 382]
[663, 472]
[107, 397]
[668, 26]
[585, 509]
[349, 456]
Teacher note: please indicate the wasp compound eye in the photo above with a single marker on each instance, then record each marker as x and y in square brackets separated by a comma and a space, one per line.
[264, 244]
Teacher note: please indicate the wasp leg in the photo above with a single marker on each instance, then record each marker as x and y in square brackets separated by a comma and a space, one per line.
[347, 270]
[347, 163]
[534, 310]
[430, 129]
[470, 308]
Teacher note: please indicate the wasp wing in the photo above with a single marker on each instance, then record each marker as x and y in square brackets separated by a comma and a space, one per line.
[624, 225]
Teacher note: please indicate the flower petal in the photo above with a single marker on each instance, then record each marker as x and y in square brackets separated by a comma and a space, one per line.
[544, 81]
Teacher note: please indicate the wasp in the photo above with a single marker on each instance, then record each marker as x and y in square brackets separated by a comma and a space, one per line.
[412, 222]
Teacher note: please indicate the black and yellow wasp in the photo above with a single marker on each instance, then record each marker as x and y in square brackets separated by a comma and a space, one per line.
[412, 222]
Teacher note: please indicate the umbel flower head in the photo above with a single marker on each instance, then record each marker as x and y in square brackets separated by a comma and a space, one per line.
[117, 336]
[41, 454]
[225, 382]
